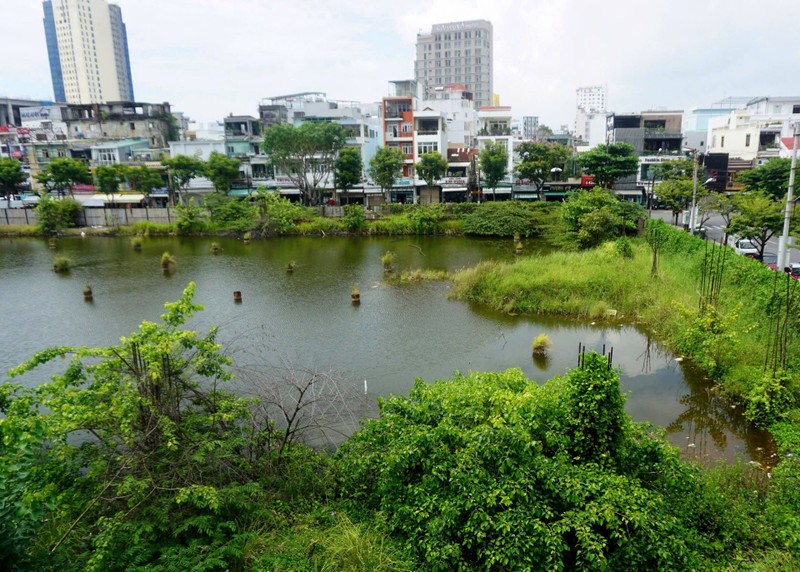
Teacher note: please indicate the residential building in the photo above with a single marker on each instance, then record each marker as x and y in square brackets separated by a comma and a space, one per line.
[87, 46]
[494, 124]
[696, 121]
[530, 125]
[591, 104]
[398, 133]
[121, 120]
[755, 132]
[457, 52]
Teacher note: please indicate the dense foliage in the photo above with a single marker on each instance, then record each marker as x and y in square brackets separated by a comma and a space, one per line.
[494, 472]
[597, 215]
[56, 215]
[508, 218]
[608, 163]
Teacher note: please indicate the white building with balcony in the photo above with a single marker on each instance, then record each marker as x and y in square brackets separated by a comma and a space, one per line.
[754, 132]
[494, 124]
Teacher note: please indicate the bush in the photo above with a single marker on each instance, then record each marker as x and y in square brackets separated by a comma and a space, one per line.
[506, 218]
[192, 218]
[279, 215]
[541, 344]
[354, 218]
[56, 215]
[492, 472]
[228, 213]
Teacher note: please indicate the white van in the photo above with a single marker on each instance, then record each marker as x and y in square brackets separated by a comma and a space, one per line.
[743, 246]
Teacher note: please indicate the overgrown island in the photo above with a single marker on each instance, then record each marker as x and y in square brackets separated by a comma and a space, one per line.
[136, 457]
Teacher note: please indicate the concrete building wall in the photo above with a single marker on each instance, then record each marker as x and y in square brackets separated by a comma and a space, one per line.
[457, 52]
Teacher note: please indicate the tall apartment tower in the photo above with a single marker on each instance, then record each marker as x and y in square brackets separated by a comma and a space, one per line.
[460, 53]
[87, 45]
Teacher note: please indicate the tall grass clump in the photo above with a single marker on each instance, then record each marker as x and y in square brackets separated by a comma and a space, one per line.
[167, 261]
[541, 344]
[62, 264]
[136, 242]
[387, 259]
[350, 546]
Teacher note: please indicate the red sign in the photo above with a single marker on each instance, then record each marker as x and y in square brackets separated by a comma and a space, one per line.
[5, 129]
[81, 188]
[23, 131]
[587, 182]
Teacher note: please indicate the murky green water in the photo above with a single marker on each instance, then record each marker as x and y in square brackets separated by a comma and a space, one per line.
[397, 333]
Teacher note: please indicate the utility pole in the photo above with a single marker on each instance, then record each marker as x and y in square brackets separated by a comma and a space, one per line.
[783, 243]
[692, 214]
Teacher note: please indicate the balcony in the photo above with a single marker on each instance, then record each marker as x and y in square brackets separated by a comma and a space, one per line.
[659, 133]
[428, 132]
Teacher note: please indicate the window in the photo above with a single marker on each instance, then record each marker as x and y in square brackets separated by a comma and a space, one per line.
[796, 109]
[427, 147]
[408, 149]
[406, 128]
[747, 140]
[722, 141]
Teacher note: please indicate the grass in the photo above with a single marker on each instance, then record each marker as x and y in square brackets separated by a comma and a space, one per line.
[541, 344]
[604, 283]
[62, 264]
[423, 274]
[167, 260]
[19, 230]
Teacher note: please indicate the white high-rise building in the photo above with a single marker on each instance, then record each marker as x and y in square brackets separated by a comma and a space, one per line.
[590, 110]
[457, 53]
[88, 50]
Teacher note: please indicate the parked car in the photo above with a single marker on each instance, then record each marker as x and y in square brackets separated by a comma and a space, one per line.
[770, 260]
[793, 270]
[743, 246]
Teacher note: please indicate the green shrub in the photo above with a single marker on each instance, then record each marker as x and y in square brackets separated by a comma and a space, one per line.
[192, 219]
[56, 215]
[623, 247]
[354, 218]
[506, 218]
[229, 213]
[279, 215]
[427, 219]
[492, 472]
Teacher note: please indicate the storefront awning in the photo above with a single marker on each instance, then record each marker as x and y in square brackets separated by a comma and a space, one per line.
[239, 193]
[117, 198]
[454, 189]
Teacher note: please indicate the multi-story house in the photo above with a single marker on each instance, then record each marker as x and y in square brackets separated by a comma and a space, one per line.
[494, 124]
[754, 132]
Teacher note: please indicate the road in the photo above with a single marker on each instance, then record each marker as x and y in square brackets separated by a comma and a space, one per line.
[715, 230]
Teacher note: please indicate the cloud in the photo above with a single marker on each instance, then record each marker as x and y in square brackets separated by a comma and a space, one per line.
[209, 58]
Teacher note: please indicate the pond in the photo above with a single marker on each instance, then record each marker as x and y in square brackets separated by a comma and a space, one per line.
[397, 333]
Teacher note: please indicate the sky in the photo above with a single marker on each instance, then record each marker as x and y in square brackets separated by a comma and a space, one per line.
[211, 58]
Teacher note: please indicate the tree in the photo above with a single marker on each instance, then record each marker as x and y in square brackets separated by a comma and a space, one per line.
[607, 163]
[543, 132]
[222, 171]
[596, 215]
[143, 179]
[431, 167]
[771, 178]
[675, 194]
[537, 161]
[656, 236]
[494, 164]
[758, 218]
[62, 174]
[182, 169]
[385, 167]
[722, 204]
[305, 154]
[347, 170]
[57, 214]
[11, 175]
[677, 169]
[107, 178]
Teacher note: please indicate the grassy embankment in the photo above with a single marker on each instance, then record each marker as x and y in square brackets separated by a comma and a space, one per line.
[730, 343]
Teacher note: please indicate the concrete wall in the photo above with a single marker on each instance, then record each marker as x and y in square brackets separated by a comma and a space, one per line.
[95, 216]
